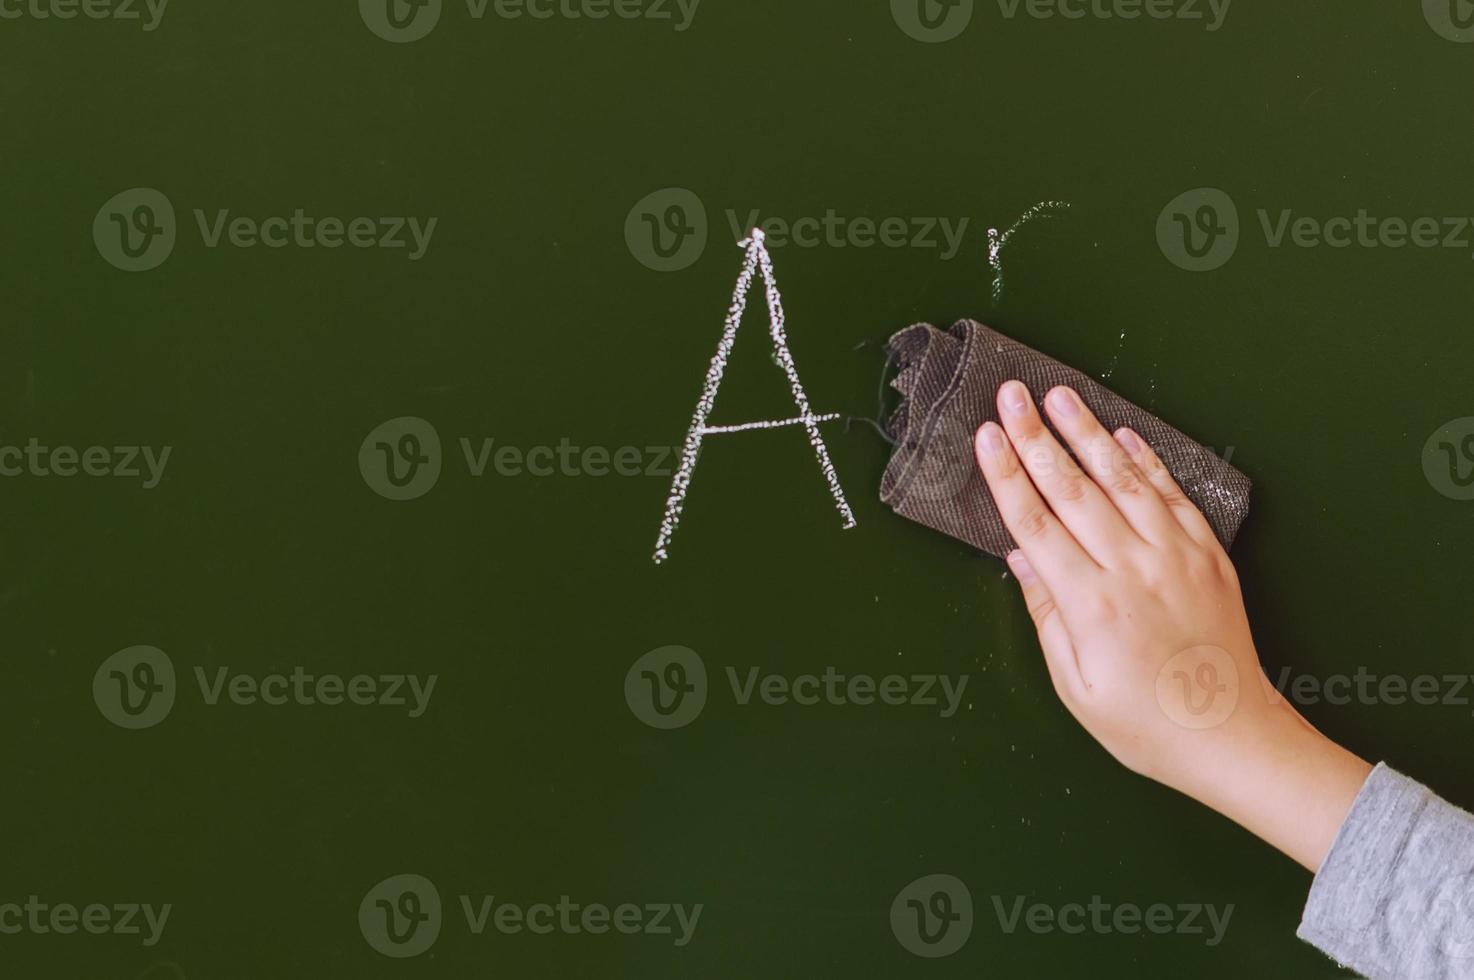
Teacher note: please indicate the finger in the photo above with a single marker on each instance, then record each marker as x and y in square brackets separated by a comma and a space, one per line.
[1074, 497]
[1182, 509]
[1059, 649]
[1056, 555]
[1107, 463]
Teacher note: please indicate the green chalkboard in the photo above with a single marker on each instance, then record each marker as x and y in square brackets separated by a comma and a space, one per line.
[418, 299]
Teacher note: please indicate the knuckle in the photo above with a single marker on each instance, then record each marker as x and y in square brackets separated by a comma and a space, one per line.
[1125, 481]
[1039, 460]
[1152, 466]
[1208, 569]
[1029, 425]
[1070, 487]
[1173, 497]
[1223, 570]
[1042, 609]
[1032, 524]
[1101, 455]
[1101, 610]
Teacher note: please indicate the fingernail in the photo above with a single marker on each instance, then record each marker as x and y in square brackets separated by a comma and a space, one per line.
[1022, 570]
[1128, 441]
[1065, 402]
[1016, 397]
[992, 439]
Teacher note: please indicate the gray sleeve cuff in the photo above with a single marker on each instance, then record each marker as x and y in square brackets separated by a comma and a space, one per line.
[1395, 895]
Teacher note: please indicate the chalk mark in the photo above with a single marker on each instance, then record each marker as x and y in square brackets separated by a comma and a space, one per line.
[996, 241]
[748, 426]
[757, 261]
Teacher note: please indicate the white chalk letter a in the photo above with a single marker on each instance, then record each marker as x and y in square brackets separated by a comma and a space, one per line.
[757, 260]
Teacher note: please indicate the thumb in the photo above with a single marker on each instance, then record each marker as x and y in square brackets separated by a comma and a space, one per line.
[1059, 649]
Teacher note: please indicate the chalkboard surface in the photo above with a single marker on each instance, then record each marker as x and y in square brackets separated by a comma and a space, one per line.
[347, 351]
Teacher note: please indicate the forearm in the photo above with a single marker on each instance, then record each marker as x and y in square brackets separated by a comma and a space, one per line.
[1284, 782]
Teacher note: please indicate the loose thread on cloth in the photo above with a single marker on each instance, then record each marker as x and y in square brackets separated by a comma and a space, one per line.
[877, 422]
[996, 241]
[757, 260]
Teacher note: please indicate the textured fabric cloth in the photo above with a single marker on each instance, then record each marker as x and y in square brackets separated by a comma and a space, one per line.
[1395, 896]
[950, 380]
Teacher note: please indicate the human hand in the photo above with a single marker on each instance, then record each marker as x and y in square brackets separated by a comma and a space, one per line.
[1143, 627]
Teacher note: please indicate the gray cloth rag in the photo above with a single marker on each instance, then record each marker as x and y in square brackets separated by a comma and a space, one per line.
[950, 380]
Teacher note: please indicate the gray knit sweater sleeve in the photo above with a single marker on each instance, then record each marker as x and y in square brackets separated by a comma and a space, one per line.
[1395, 896]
